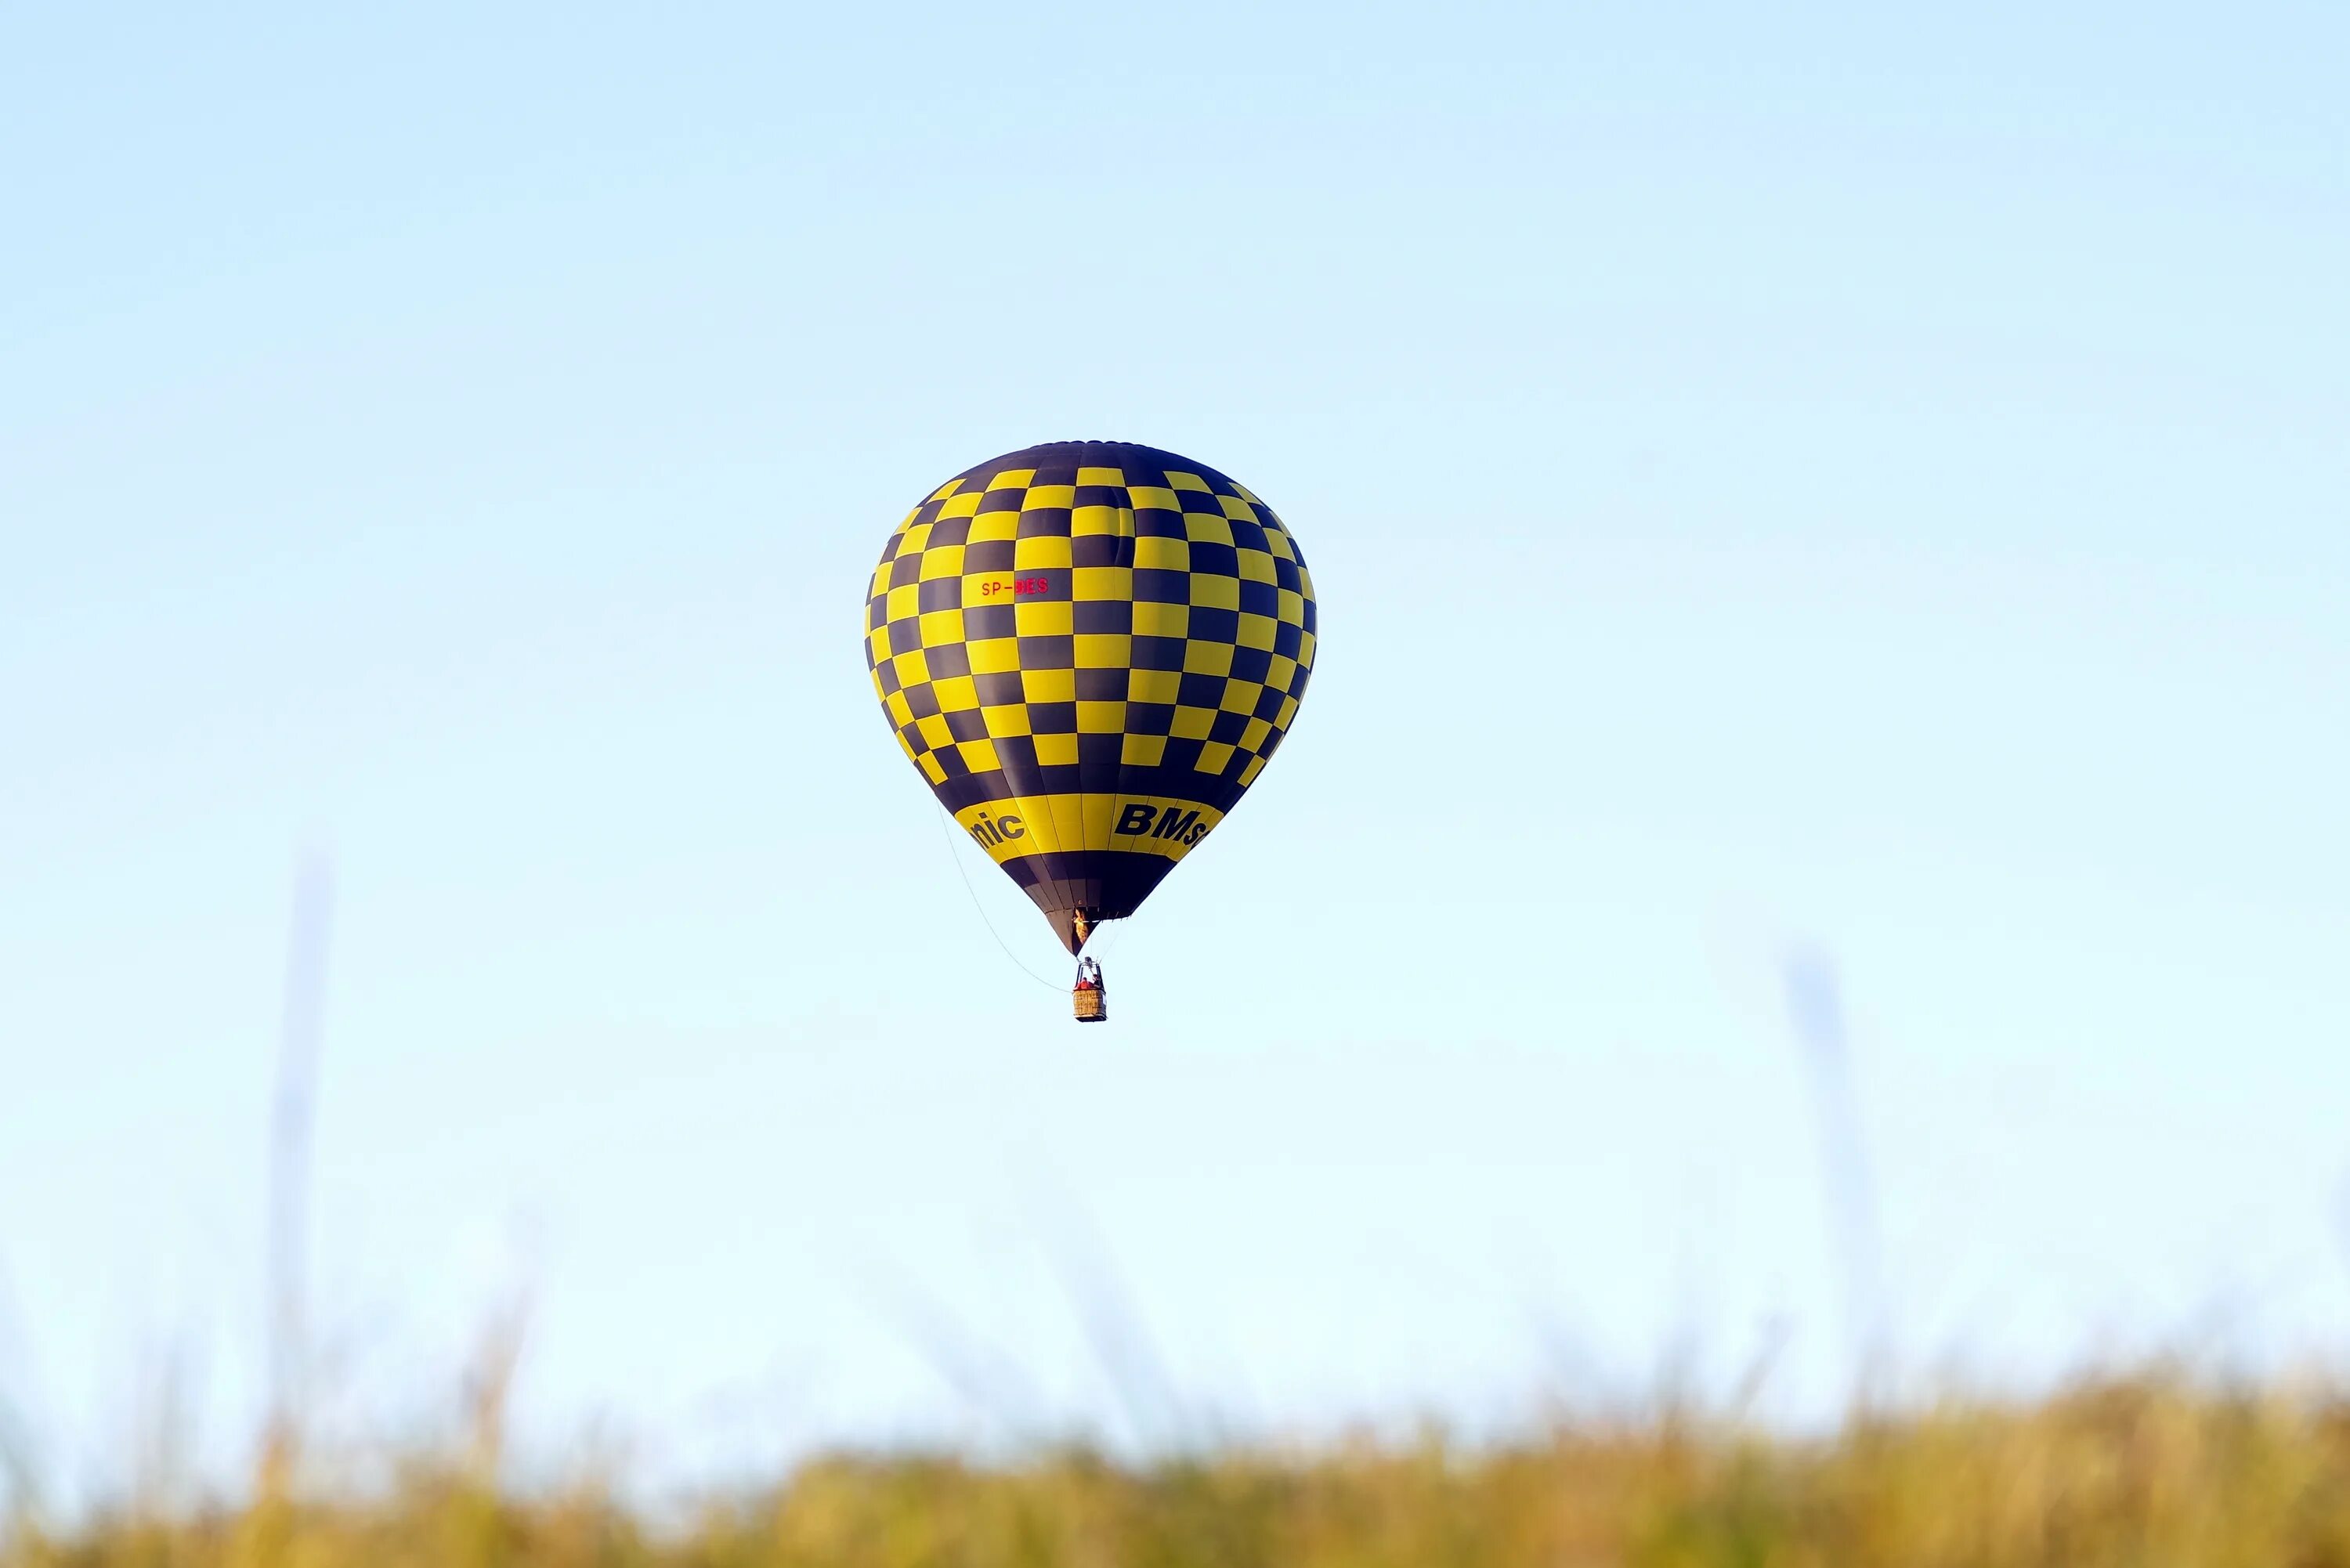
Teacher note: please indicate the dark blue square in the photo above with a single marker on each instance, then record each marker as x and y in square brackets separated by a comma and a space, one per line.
[1018, 755]
[1102, 550]
[1214, 625]
[1158, 653]
[1215, 560]
[1102, 618]
[1047, 653]
[1000, 689]
[1201, 690]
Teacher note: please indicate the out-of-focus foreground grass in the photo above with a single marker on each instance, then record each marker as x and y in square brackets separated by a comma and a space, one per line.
[2149, 1470]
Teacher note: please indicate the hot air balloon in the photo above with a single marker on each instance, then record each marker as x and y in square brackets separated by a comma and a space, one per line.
[1090, 650]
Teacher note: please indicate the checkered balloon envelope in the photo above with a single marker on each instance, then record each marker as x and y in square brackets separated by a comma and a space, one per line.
[1090, 650]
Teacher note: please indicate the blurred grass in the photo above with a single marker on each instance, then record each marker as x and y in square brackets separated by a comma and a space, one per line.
[2149, 1470]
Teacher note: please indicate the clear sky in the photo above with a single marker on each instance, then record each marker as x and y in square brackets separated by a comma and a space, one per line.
[1831, 477]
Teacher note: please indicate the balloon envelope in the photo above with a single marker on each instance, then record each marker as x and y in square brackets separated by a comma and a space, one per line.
[1090, 650]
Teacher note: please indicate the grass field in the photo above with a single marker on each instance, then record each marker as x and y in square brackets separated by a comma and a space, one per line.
[2144, 1470]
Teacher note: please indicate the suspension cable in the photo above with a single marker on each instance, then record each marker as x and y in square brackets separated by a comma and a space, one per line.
[944, 828]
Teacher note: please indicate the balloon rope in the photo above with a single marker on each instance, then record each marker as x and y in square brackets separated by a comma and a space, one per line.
[944, 820]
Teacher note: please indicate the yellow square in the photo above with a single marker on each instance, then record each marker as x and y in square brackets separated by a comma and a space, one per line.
[1257, 631]
[956, 693]
[1142, 751]
[1248, 773]
[994, 655]
[1201, 529]
[1090, 585]
[942, 561]
[1281, 672]
[1049, 685]
[1011, 719]
[877, 646]
[931, 767]
[1192, 723]
[1156, 552]
[1256, 566]
[1162, 620]
[1186, 480]
[911, 670]
[1152, 685]
[1207, 658]
[933, 731]
[1210, 591]
[1290, 606]
[914, 540]
[1105, 650]
[1277, 541]
[1288, 712]
[1098, 520]
[1245, 494]
[1012, 479]
[994, 526]
[903, 604]
[942, 493]
[1039, 552]
[1235, 507]
[1239, 696]
[979, 756]
[1053, 618]
[1113, 477]
[1214, 757]
[1150, 497]
[900, 711]
[1253, 735]
[1100, 718]
[1041, 497]
[941, 627]
[1306, 649]
[963, 505]
[1056, 750]
[1305, 580]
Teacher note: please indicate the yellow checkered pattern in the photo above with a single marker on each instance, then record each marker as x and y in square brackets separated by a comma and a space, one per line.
[1043, 627]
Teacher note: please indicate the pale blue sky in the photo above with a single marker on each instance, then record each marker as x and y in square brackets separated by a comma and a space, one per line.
[1846, 475]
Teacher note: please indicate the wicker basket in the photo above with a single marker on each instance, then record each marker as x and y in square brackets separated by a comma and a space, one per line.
[1091, 1005]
